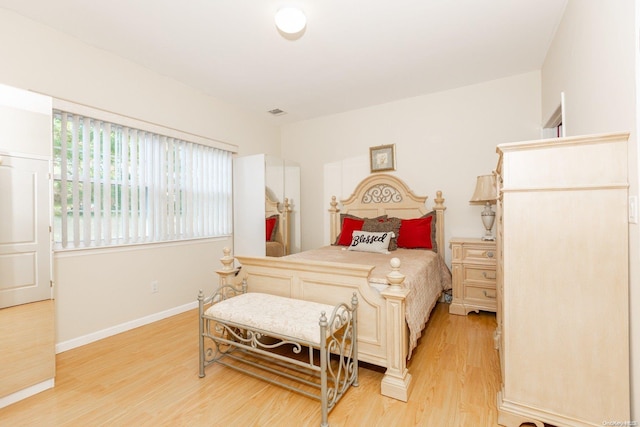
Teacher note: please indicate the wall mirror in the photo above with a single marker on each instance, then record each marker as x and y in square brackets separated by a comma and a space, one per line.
[266, 206]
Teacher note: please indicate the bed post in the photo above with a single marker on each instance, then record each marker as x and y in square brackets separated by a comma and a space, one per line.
[286, 235]
[439, 207]
[227, 272]
[397, 379]
[334, 220]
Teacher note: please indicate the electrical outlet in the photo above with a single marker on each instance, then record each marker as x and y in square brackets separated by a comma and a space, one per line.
[633, 209]
[154, 286]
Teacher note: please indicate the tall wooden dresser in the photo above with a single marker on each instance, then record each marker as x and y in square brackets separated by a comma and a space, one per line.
[562, 281]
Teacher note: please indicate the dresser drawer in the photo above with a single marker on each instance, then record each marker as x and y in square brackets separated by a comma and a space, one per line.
[480, 293]
[471, 254]
[479, 274]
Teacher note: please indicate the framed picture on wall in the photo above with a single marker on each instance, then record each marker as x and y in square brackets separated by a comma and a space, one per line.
[383, 158]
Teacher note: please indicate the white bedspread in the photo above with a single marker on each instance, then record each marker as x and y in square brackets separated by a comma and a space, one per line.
[426, 273]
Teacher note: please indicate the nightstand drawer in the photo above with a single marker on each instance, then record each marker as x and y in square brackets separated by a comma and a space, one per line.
[470, 254]
[480, 293]
[478, 274]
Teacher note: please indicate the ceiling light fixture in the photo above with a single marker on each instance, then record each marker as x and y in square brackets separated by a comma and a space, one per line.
[290, 20]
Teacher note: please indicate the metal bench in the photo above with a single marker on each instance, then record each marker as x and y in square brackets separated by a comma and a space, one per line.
[266, 336]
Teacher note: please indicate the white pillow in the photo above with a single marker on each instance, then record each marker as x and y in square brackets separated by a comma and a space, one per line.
[369, 241]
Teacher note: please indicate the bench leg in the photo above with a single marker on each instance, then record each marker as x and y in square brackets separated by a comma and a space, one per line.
[354, 335]
[323, 370]
[201, 333]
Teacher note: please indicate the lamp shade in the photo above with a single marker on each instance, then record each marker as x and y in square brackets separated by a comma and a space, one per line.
[290, 20]
[485, 189]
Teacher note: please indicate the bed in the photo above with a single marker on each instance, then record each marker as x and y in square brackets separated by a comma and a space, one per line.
[277, 226]
[391, 318]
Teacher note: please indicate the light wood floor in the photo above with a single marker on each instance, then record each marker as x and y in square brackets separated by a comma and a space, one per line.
[149, 377]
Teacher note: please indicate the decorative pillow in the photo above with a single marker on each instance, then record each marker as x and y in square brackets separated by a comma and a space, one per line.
[418, 233]
[271, 228]
[389, 224]
[367, 241]
[348, 224]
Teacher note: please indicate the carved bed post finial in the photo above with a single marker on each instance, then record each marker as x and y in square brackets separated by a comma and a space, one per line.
[439, 200]
[227, 260]
[334, 205]
[334, 220]
[395, 278]
[227, 272]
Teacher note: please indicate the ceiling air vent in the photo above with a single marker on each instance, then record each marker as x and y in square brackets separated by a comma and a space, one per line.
[277, 112]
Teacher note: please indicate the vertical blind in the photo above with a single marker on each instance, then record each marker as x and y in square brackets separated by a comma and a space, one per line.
[117, 185]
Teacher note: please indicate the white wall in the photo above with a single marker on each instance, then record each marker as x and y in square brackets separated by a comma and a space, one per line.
[443, 141]
[593, 61]
[98, 290]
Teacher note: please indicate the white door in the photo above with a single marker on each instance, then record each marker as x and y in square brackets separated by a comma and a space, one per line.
[25, 257]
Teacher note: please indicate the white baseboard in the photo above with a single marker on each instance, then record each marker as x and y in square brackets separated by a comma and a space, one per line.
[104, 333]
[26, 392]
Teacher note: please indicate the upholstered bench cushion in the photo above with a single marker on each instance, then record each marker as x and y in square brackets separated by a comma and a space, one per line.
[283, 316]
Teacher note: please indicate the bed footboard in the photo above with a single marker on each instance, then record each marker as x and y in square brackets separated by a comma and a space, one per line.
[382, 331]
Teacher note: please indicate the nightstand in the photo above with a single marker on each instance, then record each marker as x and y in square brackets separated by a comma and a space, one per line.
[473, 265]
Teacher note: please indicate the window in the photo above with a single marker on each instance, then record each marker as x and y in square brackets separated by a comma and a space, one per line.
[115, 185]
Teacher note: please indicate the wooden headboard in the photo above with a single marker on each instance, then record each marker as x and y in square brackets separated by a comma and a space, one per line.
[383, 194]
[282, 233]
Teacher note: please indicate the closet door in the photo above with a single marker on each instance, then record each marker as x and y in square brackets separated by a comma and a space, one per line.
[25, 264]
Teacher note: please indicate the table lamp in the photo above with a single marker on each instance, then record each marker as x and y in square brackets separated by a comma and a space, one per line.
[485, 193]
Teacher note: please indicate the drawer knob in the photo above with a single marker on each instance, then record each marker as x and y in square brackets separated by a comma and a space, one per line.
[490, 254]
[486, 276]
[486, 294]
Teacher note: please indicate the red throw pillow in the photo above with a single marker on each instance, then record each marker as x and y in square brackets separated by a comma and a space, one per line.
[415, 233]
[270, 225]
[349, 225]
